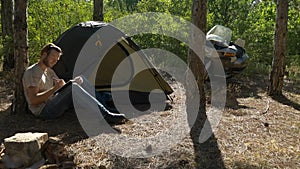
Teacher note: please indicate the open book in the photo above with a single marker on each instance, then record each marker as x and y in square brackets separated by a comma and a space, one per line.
[63, 87]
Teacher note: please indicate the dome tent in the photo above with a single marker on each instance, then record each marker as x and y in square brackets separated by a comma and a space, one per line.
[120, 66]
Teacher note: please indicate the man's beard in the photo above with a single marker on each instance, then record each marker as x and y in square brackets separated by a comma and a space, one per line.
[45, 61]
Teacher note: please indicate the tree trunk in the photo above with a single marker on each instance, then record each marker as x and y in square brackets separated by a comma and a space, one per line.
[195, 64]
[197, 67]
[21, 52]
[98, 10]
[7, 34]
[278, 65]
[207, 153]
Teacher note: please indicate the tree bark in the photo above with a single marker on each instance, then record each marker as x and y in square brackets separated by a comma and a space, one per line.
[278, 64]
[197, 67]
[207, 153]
[21, 53]
[195, 64]
[7, 34]
[98, 10]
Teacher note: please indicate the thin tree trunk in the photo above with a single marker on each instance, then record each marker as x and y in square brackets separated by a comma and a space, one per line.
[21, 53]
[98, 10]
[195, 64]
[197, 67]
[207, 153]
[7, 34]
[278, 65]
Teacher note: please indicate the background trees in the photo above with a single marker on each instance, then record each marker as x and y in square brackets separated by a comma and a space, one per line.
[253, 21]
[7, 34]
[48, 19]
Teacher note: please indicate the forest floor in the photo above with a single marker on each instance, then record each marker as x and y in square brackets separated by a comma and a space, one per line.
[256, 131]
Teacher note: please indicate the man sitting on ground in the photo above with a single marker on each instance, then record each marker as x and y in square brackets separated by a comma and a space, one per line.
[41, 84]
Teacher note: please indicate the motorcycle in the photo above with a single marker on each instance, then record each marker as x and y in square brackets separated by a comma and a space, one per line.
[233, 55]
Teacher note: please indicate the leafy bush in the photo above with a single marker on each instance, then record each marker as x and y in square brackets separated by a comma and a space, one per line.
[47, 19]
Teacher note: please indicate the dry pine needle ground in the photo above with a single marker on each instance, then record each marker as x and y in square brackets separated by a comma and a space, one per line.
[255, 132]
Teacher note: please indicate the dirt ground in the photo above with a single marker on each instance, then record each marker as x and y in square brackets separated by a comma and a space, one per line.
[255, 131]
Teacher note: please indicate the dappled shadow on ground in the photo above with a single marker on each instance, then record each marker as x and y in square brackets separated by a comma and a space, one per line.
[244, 87]
[237, 144]
[292, 86]
[207, 153]
[66, 127]
[241, 87]
[286, 101]
[245, 165]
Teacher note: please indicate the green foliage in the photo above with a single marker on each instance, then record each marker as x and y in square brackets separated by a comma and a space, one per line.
[154, 6]
[256, 68]
[112, 10]
[47, 19]
[123, 5]
[164, 43]
[294, 31]
[228, 13]
[251, 20]
[1, 56]
[260, 34]
[181, 8]
[6, 46]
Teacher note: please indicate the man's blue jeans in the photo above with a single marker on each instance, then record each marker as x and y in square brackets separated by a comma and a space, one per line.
[63, 100]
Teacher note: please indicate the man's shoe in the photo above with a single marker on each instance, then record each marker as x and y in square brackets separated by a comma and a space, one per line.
[115, 119]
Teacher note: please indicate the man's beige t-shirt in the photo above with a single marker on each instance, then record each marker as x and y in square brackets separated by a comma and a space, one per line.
[36, 77]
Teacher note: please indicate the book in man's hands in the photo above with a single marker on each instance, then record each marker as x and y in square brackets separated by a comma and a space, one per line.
[63, 87]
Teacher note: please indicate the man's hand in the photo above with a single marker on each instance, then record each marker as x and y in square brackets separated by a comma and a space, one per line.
[78, 80]
[58, 83]
[36, 97]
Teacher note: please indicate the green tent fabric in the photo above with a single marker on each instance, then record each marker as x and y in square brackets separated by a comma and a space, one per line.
[123, 67]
